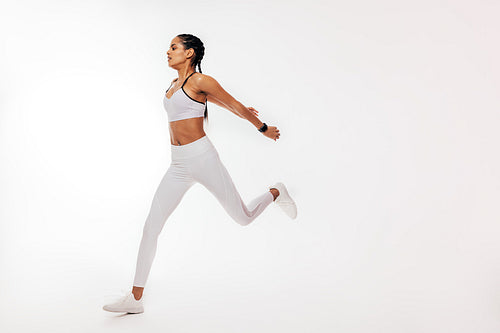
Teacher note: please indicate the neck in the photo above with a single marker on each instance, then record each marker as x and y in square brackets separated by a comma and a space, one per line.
[185, 72]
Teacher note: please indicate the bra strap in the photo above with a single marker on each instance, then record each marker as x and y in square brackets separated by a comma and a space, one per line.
[187, 79]
[169, 87]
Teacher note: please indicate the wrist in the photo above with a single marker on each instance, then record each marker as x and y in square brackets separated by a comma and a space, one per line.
[263, 128]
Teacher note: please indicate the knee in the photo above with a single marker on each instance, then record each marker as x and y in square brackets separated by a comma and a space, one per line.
[150, 232]
[242, 219]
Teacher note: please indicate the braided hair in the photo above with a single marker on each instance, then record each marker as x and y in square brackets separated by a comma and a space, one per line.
[192, 42]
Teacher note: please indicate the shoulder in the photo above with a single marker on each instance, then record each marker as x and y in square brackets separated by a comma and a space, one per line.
[200, 77]
[203, 81]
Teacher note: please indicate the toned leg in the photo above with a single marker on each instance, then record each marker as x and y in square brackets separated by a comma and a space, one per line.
[168, 195]
[212, 174]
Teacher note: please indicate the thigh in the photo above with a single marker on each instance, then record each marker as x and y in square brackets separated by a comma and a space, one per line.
[171, 189]
[211, 173]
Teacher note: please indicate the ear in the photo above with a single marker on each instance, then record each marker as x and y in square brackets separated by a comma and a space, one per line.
[190, 53]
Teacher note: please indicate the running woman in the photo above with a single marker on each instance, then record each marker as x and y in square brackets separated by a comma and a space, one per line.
[194, 159]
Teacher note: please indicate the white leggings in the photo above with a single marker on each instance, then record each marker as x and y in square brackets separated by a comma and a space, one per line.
[197, 161]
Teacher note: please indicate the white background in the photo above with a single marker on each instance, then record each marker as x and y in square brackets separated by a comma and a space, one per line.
[389, 117]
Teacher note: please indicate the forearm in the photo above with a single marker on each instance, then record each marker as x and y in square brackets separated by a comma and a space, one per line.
[222, 105]
[243, 112]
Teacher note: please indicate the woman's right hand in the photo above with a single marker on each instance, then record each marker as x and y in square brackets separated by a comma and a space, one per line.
[272, 132]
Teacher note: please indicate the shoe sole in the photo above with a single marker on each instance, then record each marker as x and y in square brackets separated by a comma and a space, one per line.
[123, 311]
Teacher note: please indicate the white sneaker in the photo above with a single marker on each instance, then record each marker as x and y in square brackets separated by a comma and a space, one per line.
[284, 201]
[127, 304]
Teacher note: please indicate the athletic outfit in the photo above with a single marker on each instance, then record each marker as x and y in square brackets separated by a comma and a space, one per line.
[195, 162]
[181, 106]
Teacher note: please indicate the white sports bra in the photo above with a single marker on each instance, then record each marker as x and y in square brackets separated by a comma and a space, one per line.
[181, 106]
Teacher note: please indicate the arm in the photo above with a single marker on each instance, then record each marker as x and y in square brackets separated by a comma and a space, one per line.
[212, 99]
[216, 94]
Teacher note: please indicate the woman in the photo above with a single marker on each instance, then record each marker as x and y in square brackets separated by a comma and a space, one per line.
[195, 159]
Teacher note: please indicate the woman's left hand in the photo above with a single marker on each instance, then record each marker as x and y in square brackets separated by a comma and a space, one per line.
[254, 112]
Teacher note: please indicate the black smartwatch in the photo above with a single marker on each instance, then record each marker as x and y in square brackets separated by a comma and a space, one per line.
[263, 128]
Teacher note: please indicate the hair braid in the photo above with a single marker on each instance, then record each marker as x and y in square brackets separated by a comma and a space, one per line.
[192, 42]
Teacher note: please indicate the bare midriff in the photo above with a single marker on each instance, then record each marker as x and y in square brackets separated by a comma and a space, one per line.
[185, 131]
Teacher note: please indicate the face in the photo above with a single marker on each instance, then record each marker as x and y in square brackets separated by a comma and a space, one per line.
[176, 54]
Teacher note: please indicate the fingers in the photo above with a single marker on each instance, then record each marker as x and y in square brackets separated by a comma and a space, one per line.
[255, 112]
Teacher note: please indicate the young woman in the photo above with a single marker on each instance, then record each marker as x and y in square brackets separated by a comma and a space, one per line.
[195, 159]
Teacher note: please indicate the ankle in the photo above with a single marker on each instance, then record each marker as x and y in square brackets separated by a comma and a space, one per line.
[274, 192]
[137, 292]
